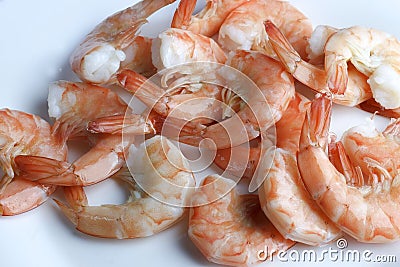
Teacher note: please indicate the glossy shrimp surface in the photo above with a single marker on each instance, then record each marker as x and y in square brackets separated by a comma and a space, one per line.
[25, 134]
[231, 230]
[114, 40]
[283, 197]
[244, 29]
[209, 20]
[168, 191]
[357, 91]
[275, 89]
[357, 189]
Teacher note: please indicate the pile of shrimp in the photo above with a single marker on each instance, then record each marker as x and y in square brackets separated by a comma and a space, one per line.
[305, 185]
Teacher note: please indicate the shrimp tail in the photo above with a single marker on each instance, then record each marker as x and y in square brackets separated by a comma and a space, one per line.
[118, 124]
[337, 75]
[305, 72]
[144, 89]
[183, 14]
[76, 197]
[316, 126]
[341, 161]
[36, 168]
[47, 171]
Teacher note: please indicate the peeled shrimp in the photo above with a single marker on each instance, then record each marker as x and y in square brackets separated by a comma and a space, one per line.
[312, 76]
[374, 53]
[24, 134]
[243, 28]
[359, 191]
[74, 105]
[283, 196]
[99, 56]
[145, 213]
[208, 21]
[176, 46]
[275, 89]
[232, 230]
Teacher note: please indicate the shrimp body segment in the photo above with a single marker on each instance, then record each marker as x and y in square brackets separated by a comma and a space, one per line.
[232, 230]
[177, 46]
[357, 192]
[244, 29]
[146, 212]
[283, 197]
[99, 56]
[209, 20]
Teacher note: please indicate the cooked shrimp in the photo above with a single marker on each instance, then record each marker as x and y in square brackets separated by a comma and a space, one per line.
[145, 213]
[372, 106]
[176, 46]
[363, 201]
[183, 102]
[232, 230]
[24, 134]
[244, 29]
[374, 53]
[312, 76]
[73, 105]
[98, 58]
[266, 103]
[208, 21]
[283, 197]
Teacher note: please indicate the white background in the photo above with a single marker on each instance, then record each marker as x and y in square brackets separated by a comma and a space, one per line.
[36, 39]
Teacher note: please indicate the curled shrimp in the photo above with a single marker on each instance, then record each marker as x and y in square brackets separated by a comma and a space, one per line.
[73, 105]
[359, 191]
[24, 134]
[374, 53]
[313, 76]
[276, 89]
[99, 56]
[208, 21]
[142, 215]
[232, 230]
[283, 197]
[244, 29]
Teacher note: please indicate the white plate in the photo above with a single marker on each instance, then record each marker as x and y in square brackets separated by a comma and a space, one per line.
[36, 40]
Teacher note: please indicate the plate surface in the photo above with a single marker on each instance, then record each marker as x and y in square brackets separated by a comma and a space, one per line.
[36, 40]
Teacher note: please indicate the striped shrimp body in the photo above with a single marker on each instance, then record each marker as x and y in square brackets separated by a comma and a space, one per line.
[146, 212]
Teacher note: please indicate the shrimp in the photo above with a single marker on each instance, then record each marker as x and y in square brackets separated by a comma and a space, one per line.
[265, 106]
[208, 21]
[372, 106]
[98, 58]
[24, 134]
[145, 213]
[243, 28]
[359, 191]
[74, 105]
[283, 197]
[176, 46]
[179, 103]
[374, 53]
[232, 230]
[312, 76]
